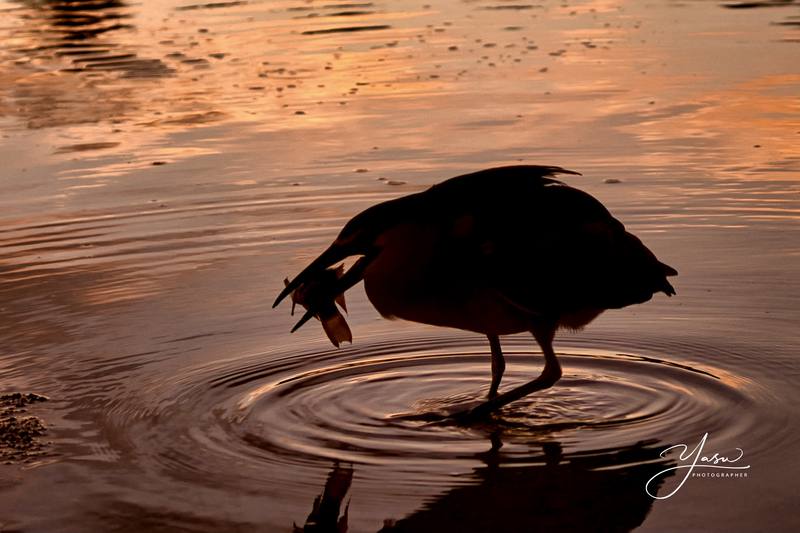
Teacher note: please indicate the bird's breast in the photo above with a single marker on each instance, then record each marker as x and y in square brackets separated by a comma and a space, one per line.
[420, 275]
[404, 271]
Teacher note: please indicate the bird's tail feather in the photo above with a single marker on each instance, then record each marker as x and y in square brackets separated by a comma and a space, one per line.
[668, 270]
[667, 288]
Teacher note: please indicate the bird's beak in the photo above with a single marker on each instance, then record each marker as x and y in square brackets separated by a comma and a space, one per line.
[333, 254]
[306, 317]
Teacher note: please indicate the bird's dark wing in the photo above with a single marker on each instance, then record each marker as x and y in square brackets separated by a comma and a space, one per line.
[497, 182]
[544, 246]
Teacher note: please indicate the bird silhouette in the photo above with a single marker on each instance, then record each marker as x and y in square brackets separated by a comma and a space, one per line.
[499, 251]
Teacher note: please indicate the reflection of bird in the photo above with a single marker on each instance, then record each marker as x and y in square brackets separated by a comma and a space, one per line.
[597, 490]
[497, 252]
[326, 516]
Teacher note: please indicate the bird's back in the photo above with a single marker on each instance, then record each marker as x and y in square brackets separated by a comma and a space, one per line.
[511, 235]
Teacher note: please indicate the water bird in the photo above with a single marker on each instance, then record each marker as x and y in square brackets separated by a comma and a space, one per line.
[500, 251]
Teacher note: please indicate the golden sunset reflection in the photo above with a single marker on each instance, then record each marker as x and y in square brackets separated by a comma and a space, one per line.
[167, 165]
[599, 69]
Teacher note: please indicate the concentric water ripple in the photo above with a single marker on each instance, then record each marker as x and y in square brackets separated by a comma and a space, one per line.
[280, 416]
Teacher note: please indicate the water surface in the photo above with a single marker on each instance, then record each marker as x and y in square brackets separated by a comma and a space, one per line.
[166, 165]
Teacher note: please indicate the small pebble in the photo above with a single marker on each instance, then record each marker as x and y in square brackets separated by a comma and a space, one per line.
[612, 180]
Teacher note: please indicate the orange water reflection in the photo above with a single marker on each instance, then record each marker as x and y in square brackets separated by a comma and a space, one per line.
[167, 164]
[597, 80]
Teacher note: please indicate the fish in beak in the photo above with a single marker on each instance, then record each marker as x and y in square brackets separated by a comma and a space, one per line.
[319, 287]
[319, 294]
[330, 256]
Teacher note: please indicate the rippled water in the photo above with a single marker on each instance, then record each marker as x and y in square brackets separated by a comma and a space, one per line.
[167, 164]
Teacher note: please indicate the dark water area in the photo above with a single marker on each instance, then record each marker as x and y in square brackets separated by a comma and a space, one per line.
[167, 164]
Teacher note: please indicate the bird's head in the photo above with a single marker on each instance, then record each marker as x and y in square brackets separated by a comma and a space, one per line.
[359, 237]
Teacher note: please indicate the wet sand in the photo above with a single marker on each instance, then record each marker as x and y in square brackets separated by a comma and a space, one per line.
[166, 166]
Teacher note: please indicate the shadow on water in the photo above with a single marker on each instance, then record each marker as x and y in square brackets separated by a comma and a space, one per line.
[60, 54]
[84, 19]
[78, 31]
[792, 21]
[602, 490]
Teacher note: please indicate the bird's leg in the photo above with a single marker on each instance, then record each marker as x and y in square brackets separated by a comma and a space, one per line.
[550, 374]
[498, 364]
